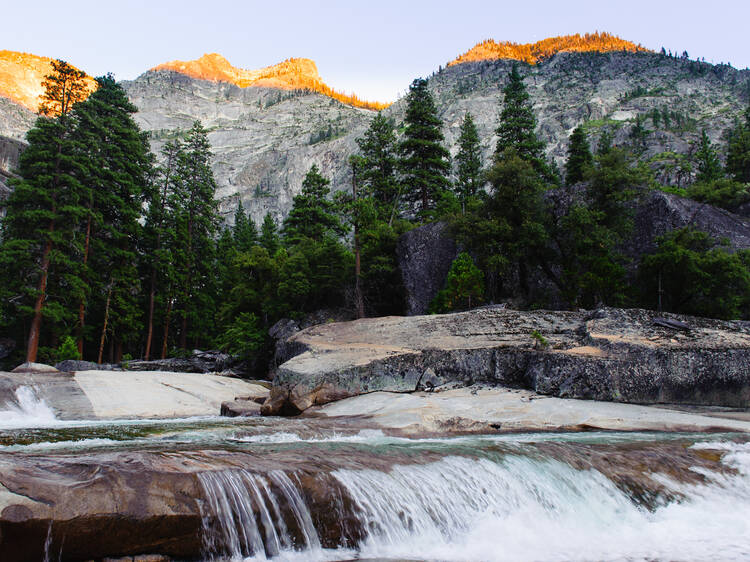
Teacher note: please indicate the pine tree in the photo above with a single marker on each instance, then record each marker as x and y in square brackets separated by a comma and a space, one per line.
[464, 286]
[160, 241]
[244, 233]
[376, 173]
[40, 247]
[64, 88]
[313, 215]
[117, 182]
[709, 167]
[196, 226]
[424, 162]
[738, 153]
[468, 162]
[580, 158]
[269, 237]
[517, 126]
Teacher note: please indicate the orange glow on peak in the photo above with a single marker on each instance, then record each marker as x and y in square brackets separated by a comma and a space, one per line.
[532, 53]
[292, 74]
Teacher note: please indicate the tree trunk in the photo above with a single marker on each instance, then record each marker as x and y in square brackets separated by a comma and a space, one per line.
[104, 327]
[151, 297]
[36, 323]
[82, 304]
[166, 329]
[360, 303]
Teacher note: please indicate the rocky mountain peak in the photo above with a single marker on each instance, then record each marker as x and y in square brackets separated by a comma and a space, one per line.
[21, 77]
[291, 74]
[532, 53]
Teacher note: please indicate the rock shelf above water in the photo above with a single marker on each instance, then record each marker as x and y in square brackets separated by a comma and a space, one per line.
[608, 354]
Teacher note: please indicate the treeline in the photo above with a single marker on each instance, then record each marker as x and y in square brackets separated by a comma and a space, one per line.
[106, 255]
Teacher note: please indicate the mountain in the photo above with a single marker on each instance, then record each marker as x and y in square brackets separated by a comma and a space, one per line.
[292, 74]
[266, 130]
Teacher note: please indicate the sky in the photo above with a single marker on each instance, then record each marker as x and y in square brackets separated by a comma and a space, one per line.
[374, 49]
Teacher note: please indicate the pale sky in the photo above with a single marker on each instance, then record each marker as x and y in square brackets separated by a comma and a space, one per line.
[374, 48]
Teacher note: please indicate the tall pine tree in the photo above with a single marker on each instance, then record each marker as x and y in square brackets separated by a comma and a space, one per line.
[40, 246]
[709, 166]
[376, 169]
[517, 125]
[424, 162]
[468, 162]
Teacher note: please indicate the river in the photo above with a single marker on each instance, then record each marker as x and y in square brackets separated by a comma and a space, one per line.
[312, 489]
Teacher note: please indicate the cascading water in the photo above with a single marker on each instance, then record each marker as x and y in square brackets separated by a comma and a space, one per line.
[27, 410]
[244, 516]
[511, 507]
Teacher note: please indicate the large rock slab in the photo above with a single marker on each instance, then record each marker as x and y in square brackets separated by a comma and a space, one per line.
[608, 354]
[87, 395]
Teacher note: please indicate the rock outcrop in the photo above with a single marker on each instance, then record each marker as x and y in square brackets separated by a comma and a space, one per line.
[424, 256]
[609, 354]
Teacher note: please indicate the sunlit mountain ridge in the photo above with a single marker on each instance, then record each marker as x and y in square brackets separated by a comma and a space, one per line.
[532, 53]
[292, 74]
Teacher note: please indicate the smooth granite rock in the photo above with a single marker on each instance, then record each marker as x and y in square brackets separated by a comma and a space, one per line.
[608, 354]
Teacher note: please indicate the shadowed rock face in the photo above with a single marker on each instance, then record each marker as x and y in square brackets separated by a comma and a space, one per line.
[425, 255]
[610, 354]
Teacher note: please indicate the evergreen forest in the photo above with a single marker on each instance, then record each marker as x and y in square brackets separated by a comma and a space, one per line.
[109, 252]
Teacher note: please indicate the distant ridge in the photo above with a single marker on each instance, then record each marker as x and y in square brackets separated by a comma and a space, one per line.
[532, 53]
[292, 74]
[21, 76]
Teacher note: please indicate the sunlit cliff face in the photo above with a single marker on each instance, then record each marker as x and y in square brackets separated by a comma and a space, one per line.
[292, 74]
[21, 77]
[532, 53]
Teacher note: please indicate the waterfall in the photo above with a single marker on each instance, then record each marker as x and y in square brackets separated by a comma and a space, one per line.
[27, 410]
[247, 515]
[511, 507]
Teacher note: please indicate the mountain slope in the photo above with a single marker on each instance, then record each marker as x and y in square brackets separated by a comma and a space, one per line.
[266, 137]
[292, 74]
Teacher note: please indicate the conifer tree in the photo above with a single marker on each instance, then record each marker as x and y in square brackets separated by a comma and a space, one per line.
[160, 241]
[313, 215]
[709, 167]
[468, 162]
[244, 233]
[376, 171]
[117, 182]
[39, 245]
[738, 153]
[424, 162]
[196, 226]
[517, 126]
[580, 158]
[269, 237]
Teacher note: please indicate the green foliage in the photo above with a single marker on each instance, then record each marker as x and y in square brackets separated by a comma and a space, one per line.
[464, 287]
[724, 192]
[696, 276]
[539, 339]
[508, 232]
[244, 336]
[68, 349]
[269, 237]
[244, 232]
[580, 159]
[313, 215]
[516, 130]
[424, 162]
[709, 167]
[738, 151]
[468, 162]
[376, 167]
